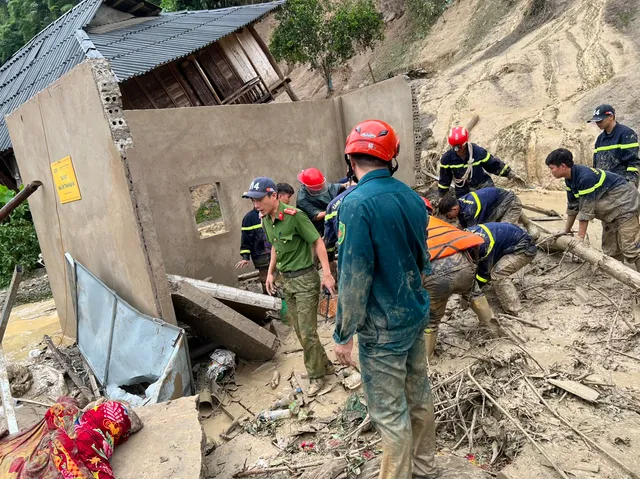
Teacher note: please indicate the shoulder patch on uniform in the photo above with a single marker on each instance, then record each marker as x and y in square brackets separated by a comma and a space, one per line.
[290, 211]
[342, 231]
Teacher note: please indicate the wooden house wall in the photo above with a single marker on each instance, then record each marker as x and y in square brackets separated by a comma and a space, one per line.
[181, 83]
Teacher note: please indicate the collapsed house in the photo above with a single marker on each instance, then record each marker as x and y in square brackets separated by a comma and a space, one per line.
[121, 198]
[161, 60]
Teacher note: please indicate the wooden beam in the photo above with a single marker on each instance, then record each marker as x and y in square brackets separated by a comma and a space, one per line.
[205, 78]
[142, 89]
[136, 7]
[116, 3]
[155, 74]
[246, 54]
[272, 61]
[188, 90]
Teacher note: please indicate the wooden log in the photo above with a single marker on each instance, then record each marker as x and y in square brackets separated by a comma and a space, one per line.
[10, 300]
[543, 211]
[86, 392]
[584, 251]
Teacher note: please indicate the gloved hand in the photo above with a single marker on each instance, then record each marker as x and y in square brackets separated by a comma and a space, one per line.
[577, 240]
[632, 179]
[517, 179]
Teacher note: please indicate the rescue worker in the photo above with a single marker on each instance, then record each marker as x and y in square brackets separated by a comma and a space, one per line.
[487, 205]
[382, 257]
[453, 253]
[285, 192]
[593, 193]
[315, 194]
[331, 222]
[292, 237]
[616, 148]
[467, 164]
[254, 246]
[506, 249]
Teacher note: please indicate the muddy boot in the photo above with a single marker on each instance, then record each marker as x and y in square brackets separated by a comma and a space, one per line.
[315, 386]
[480, 306]
[430, 337]
[508, 296]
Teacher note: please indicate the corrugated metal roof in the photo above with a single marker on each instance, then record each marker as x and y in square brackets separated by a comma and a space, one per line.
[136, 49]
[132, 50]
[47, 56]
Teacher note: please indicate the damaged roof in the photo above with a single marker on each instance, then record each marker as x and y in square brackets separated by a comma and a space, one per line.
[133, 46]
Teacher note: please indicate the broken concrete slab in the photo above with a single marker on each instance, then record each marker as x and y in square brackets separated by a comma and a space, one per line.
[254, 306]
[169, 446]
[221, 324]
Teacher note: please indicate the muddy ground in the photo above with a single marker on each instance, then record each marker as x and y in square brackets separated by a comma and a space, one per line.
[586, 328]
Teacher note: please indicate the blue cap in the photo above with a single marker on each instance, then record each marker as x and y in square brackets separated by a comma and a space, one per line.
[601, 112]
[260, 187]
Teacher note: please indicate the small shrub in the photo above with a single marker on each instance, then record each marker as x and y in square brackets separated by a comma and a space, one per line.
[423, 14]
[620, 13]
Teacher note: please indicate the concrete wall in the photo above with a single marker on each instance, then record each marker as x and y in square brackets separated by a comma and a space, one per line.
[389, 101]
[180, 148]
[108, 230]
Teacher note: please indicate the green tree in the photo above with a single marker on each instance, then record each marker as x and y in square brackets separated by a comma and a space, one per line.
[325, 33]
[18, 240]
[179, 5]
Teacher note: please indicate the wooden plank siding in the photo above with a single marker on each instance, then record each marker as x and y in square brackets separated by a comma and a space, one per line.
[221, 73]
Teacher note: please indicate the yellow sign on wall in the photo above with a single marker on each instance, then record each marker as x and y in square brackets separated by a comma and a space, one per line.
[64, 177]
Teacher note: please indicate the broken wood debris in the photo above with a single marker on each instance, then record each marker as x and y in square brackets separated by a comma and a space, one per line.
[577, 389]
[84, 390]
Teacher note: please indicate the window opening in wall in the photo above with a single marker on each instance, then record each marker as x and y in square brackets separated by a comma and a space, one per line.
[207, 209]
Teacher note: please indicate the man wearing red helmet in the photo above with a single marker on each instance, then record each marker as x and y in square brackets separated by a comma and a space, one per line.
[466, 165]
[315, 195]
[382, 258]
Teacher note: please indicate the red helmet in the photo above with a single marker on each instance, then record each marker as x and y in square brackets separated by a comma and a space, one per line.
[458, 136]
[428, 203]
[375, 138]
[312, 178]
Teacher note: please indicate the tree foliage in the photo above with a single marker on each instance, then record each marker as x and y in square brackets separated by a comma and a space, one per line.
[325, 33]
[20, 20]
[18, 240]
[179, 5]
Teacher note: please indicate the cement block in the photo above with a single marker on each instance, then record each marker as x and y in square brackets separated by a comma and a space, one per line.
[226, 327]
[232, 456]
[169, 446]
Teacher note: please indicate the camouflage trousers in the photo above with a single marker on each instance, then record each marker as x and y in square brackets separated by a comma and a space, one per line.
[302, 295]
[396, 386]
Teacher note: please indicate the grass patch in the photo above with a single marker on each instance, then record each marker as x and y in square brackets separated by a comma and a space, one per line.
[210, 211]
[423, 14]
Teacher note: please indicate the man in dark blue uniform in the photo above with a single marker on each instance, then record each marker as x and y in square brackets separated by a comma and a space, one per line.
[466, 166]
[593, 193]
[254, 246]
[506, 249]
[331, 222]
[382, 258]
[488, 205]
[616, 148]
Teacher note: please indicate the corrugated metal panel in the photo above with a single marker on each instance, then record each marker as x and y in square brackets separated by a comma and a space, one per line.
[132, 50]
[137, 49]
[43, 60]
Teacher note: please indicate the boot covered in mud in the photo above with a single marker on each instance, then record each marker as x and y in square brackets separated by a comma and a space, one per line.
[480, 306]
[508, 296]
[430, 337]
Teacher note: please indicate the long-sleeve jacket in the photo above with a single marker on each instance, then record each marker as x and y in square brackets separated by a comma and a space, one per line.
[618, 152]
[500, 239]
[594, 193]
[331, 221]
[477, 206]
[312, 205]
[453, 169]
[382, 231]
[253, 242]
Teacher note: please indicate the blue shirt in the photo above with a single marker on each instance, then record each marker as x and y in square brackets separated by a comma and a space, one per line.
[453, 167]
[382, 239]
[477, 206]
[331, 221]
[253, 241]
[618, 152]
[500, 239]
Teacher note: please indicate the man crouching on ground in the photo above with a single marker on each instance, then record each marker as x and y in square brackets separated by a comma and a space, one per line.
[382, 257]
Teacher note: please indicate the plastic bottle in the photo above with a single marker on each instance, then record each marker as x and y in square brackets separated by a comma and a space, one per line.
[274, 415]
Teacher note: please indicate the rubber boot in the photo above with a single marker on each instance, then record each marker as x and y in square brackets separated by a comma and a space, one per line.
[480, 306]
[430, 337]
[508, 296]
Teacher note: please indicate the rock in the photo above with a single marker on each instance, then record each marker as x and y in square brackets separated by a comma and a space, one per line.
[169, 446]
[231, 457]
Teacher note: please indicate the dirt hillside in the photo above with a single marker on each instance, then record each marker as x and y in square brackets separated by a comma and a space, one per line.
[532, 69]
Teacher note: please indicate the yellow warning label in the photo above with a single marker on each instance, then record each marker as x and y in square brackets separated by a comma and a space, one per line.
[64, 177]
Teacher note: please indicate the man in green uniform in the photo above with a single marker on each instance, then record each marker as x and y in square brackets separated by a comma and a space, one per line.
[292, 236]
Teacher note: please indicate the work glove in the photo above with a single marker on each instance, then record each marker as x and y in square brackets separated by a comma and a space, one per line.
[517, 179]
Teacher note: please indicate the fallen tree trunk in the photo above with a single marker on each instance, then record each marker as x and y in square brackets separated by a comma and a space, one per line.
[584, 251]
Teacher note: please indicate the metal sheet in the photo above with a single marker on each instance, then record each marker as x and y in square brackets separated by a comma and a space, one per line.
[124, 347]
